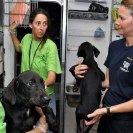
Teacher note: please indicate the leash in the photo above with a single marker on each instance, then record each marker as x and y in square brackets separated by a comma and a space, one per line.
[31, 62]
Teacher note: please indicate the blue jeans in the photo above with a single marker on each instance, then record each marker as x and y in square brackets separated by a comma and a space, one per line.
[52, 104]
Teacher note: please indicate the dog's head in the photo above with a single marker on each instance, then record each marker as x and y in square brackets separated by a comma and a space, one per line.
[26, 89]
[87, 51]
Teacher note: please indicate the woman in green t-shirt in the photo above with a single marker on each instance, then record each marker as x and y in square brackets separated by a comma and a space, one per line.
[39, 52]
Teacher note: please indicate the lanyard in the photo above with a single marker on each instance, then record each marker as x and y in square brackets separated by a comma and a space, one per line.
[30, 64]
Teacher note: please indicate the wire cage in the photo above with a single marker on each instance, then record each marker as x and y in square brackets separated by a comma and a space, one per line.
[19, 11]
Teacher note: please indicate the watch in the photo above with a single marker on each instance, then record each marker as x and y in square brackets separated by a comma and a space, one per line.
[108, 111]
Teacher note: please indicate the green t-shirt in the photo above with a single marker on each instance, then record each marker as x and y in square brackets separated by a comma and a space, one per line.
[2, 123]
[46, 58]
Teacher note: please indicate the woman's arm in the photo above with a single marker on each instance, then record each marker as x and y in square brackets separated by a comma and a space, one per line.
[41, 126]
[50, 79]
[120, 108]
[123, 107]
[15, 40]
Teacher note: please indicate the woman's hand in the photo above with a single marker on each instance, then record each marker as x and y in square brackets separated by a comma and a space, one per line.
[41, 126]
[80, 69]
[96, 115]
[13, 26]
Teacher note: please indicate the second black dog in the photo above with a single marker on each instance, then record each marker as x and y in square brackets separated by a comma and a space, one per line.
[19, 100]
[90, 85]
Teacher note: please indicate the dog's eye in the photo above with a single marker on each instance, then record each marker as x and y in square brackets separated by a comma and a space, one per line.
[31, 83]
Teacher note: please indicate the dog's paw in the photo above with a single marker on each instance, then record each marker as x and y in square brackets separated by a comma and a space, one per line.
[51, 119]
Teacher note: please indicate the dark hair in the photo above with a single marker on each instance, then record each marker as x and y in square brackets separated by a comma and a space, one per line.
[33, 14]
[128, 4]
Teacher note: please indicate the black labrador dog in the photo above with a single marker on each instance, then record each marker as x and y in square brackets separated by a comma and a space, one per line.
[19, 99]
[90, 85]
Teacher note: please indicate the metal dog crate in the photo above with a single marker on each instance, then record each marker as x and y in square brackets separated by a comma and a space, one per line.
[18, 10]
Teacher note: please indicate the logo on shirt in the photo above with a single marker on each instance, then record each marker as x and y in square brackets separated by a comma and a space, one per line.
[42, 56]
[125, 66]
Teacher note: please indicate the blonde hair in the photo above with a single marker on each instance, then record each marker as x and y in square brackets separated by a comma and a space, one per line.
[128, 4]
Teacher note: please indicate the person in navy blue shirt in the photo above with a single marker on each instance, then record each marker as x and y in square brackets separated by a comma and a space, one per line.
[116, 114]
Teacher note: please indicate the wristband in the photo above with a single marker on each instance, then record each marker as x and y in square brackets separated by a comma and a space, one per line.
[42, 129]
[12, 31]
[45, 85]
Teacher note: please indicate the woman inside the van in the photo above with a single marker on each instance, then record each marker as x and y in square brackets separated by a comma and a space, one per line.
[39, 52]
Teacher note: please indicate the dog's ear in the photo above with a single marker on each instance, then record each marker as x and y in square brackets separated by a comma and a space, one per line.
[9, 92]
[96, 51]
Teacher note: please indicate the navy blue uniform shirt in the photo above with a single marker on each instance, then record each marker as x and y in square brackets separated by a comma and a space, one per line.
[120, 64]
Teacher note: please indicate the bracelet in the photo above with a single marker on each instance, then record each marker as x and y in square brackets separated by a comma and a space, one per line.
[12, 31]
[41, 129]
[45, 85]
[108, 111]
